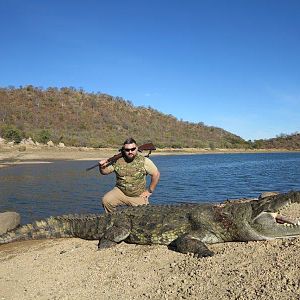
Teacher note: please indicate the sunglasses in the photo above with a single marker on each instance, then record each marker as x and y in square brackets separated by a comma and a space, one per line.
[130, 149]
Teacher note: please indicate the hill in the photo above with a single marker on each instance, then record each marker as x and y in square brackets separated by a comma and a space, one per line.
[77, 118]
[283, 141]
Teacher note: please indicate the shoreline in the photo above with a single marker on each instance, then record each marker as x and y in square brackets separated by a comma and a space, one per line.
[21, 154]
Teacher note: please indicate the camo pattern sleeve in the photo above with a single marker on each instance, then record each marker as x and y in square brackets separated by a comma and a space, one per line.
[150, 166]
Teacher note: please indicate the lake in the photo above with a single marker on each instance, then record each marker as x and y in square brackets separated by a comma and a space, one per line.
[39, 190]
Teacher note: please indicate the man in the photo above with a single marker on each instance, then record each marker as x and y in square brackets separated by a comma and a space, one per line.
[131, 171]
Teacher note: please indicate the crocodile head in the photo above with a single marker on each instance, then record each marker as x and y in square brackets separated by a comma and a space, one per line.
[262, 219]
[269, 219]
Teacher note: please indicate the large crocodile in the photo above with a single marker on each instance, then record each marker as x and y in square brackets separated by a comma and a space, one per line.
[184, 228]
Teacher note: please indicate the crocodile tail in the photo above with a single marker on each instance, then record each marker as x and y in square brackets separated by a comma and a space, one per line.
[48, 228]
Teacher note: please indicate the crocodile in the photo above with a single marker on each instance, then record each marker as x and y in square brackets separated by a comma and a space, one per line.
[186, 228]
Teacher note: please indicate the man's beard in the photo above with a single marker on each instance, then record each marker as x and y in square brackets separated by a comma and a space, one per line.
[129, 158]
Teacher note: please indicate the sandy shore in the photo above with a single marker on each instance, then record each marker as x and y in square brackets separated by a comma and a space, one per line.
[74, 269]
[18, 154]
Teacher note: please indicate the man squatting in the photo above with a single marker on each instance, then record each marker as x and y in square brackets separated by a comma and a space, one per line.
[131, 171]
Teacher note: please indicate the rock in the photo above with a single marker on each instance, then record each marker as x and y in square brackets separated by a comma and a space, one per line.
[50, 144]
[61, 145]
[30, 141]
[22, 148]
[267, 194]
[2, 140]
[8, 221]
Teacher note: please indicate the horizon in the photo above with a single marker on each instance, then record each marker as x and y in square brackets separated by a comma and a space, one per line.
[232, 65]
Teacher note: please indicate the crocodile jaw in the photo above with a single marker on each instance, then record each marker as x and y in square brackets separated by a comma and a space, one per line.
[274, 225]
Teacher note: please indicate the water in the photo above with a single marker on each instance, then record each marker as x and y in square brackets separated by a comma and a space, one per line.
[39, 190]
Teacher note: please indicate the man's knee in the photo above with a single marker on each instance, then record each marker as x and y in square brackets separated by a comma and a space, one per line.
[108, 202]
[105, 199]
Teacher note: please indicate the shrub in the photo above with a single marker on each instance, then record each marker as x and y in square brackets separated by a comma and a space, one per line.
[44, 136]
[12, 133]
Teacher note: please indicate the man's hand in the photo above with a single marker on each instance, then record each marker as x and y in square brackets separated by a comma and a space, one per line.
[103, 163]
[146, 194]
[104, 167]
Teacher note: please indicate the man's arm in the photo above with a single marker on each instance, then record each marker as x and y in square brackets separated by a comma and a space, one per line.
[155, 174]
[104, 168]
[154, 181]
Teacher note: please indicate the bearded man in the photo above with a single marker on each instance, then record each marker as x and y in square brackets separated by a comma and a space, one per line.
[131, 171]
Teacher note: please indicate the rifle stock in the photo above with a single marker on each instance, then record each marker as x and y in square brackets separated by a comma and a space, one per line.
[149, 147]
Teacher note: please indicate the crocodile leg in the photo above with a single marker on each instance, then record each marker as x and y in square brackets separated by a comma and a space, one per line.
[191, 243]
[115, 234]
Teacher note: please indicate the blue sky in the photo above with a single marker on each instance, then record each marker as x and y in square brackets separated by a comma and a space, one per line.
[229, 64]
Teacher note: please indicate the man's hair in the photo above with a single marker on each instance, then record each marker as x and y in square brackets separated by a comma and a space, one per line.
[129, 141]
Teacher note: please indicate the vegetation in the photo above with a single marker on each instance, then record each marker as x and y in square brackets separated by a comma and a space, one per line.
[12, 133]
[282, 141]
[77, 118]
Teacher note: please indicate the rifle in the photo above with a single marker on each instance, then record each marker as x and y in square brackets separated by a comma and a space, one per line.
[149, 147]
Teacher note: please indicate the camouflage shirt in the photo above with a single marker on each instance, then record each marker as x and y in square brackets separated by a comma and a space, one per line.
[131, 177]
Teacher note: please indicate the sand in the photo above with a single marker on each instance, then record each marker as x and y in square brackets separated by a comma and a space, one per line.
[75, 269]
[10, 156]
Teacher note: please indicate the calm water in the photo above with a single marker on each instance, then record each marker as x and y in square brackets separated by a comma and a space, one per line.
[39, 190]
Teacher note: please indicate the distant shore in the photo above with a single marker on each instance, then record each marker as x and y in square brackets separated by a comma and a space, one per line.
[18, 154]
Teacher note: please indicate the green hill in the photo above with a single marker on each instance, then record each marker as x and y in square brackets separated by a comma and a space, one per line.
[78, 118]
[283, 141]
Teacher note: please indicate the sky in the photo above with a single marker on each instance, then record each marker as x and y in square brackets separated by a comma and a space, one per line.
[233, 64]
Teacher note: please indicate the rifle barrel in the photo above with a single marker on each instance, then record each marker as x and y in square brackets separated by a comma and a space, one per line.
[90, 168]
[148, 147]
